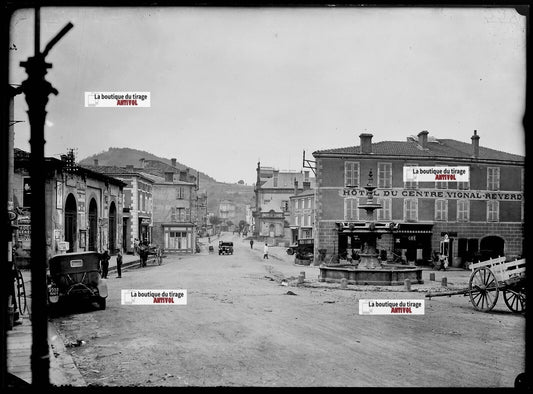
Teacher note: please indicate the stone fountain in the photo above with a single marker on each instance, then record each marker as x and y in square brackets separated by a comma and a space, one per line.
[370, 270]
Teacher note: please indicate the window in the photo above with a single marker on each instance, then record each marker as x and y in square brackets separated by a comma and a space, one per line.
[308, 218]
[463, 210]
[297, 220]
[414, 184]
[179, 214]
[385, 212]
[285, 206]
[308, 203]
[173, 214]
[441, 210]
[385, 175]
[441, 184]
[350, 209]
[299, 203]
[26, 192]
[493, 211]
[180, 193]
[351, 173]
[463, 185]
[176, 240]
[493, 178]
[410, 209]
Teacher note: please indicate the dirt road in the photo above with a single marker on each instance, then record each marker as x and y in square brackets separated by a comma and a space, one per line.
[241, 328]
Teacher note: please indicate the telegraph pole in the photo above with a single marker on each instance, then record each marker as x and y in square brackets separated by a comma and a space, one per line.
[37, 89]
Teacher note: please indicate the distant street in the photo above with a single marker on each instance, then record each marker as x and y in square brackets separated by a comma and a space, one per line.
[241, 328]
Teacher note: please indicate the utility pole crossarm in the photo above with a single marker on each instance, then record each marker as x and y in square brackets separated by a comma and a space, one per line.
[311, 164]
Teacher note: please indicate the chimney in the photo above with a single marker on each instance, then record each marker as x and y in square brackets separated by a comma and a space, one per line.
[366, 143]
[173, 160]
[96, 162]
[169, 176]
[295, 186]
[423, 139]
[475, 144]
[142, 162]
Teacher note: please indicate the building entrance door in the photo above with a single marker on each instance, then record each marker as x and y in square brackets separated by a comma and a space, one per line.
[93, 224]
[71, 213]
[112, 228]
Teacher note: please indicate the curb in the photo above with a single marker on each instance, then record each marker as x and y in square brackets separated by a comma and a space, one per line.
[63, 370]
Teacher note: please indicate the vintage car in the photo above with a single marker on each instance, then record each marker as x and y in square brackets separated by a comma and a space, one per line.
[225, 247]
[305, 250]
[76, 276]
[292, 249]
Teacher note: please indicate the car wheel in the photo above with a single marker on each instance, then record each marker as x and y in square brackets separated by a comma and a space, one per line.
[290, 252]
[102, 303]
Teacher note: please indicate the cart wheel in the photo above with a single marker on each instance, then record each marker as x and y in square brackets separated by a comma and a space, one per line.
[21, 293]
[483, 288]
[515, 299]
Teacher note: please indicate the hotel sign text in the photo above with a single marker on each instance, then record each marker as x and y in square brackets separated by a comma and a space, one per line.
[432, 193]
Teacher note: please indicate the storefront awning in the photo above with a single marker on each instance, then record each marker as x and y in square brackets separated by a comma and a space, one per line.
[413, 228]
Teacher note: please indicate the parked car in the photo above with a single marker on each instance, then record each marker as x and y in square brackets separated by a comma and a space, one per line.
[292, 249]
[76, 276]
[305, 249]
[225, 247]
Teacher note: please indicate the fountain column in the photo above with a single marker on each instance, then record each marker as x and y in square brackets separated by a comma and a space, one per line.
[369, 254]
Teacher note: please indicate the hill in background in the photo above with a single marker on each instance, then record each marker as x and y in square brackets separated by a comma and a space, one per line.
[239, 194]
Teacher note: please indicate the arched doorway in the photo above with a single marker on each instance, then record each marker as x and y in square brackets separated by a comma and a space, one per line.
[71, 214]
[491, 247]
[93, 225]
[112, 228]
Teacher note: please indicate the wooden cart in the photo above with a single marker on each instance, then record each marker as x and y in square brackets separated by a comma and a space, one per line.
[491, 277]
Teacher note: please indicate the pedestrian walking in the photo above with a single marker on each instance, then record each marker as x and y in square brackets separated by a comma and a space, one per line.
[251, 244]
[104, 261]
[265, 251]
[119, 263]
[136, 246]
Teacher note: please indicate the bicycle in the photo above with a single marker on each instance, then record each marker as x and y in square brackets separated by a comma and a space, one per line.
[21, 292]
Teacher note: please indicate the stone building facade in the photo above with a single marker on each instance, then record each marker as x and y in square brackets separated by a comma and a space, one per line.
[273, 190]
[83, 207]
[482, 217]
[302, 217]
[137, 205]
[175, 212]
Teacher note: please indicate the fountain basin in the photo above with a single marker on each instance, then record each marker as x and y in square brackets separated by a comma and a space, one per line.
[388, 275]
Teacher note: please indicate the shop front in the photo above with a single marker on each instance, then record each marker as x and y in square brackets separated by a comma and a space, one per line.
[145, 235]
[178, 238]
[412, 242]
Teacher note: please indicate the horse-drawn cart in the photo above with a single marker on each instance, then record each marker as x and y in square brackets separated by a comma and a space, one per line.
[490, 277]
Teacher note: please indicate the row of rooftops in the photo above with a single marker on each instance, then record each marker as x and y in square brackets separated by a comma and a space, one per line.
[151, 170]
[421, 146]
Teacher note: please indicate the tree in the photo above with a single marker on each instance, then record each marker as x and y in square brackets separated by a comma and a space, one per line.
[215, 220]
[241, 182]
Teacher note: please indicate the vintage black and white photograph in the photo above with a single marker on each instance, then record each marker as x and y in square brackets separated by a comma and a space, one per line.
[266, 196]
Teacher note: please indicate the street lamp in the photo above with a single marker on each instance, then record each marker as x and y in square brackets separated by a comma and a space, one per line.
[37, 89]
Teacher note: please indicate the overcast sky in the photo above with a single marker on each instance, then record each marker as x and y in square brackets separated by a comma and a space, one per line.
[232, 86]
